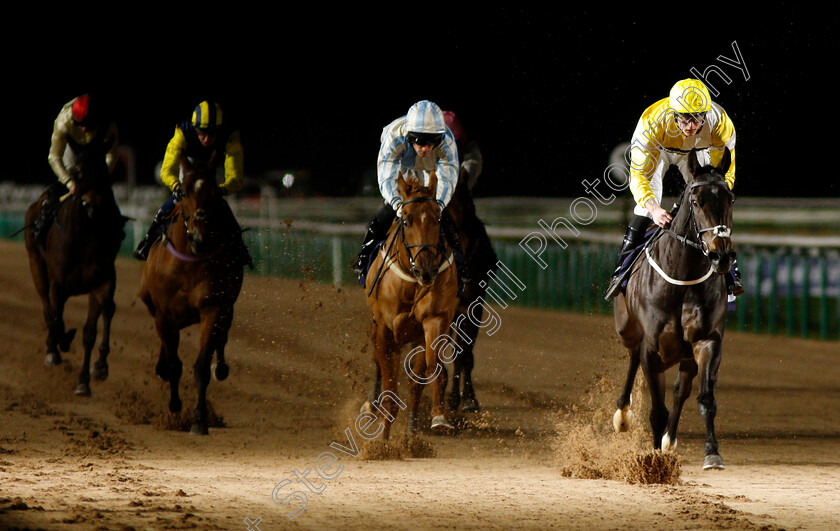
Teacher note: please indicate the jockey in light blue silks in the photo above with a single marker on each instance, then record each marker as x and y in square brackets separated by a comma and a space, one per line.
[418, 142]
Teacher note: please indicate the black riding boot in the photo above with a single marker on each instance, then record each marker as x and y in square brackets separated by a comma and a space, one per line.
[634, 237]
[48, 209]
[142, 251]
[450, 232]
[376, 232]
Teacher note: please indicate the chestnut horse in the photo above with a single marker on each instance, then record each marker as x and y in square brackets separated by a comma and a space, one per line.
[480, 260]
[75, 256]
[674, 308]
[194, 275]
[412, 299]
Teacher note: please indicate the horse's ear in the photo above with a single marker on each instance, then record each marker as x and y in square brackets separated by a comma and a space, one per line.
[723, 165]
[693, 164]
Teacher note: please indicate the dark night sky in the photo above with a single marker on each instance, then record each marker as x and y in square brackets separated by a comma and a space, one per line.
[546, 95]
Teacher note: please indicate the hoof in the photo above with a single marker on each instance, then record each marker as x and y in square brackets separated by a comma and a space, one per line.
[175, 405]
[64, 342]
[470, 405]
[622, 420]
[221, 371]
[53, 359]
[713, 462]
[198, 429]
[667, 445]
[439, 423]
[82, 389]
[99, 371]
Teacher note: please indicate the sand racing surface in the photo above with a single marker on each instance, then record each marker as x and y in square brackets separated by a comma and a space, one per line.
[541, 453]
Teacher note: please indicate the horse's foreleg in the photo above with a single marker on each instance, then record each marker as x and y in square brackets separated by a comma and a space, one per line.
[100, 368]
[682, 390]
[655, 376]
[462, 393]
[623, 417]
[708, 356]
[387, 358]
[433, 330]
[89, 340]
[215, 324]
[169, 366]
[219, 367]
[42, 285]
[57, 338]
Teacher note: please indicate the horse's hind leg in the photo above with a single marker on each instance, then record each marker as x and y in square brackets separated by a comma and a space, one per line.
[375, 390]
[623, 417]
[708, 356]
[100, 302]
[682, 390]
[100, 368]
[169, 366]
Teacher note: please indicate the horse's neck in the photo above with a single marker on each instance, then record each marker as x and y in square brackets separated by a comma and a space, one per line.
[673, 252]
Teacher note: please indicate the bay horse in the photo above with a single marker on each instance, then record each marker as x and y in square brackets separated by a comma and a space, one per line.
[74, 256]
[674, 309]
[194, 275]
[481, 260]
[412, 299]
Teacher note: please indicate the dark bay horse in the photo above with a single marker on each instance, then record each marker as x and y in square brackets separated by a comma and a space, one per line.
[480, 260]
[194, 275]
[674, 308]
[412, 292]
[75, 256]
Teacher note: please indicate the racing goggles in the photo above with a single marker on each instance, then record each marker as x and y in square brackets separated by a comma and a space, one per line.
[425, 139]
[696, 119]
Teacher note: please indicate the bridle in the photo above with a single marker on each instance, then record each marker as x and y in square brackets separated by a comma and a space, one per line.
[438, 249]
[391, 260]
[718, 231]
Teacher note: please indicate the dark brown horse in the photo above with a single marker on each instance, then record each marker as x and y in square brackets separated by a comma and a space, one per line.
[674, 308]
[194, 275]
[480, 261]
[412, 296]
[75, 256]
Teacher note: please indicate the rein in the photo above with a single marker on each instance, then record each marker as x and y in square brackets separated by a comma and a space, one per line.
[719, 231]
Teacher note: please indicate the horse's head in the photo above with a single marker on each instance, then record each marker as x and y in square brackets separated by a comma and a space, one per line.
[710, 202]
[92, 178]
[423, 247]
[199, 202]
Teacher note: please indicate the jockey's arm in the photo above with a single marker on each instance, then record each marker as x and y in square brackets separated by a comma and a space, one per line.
[170, 170]
[723, 136]
[234, 165]
[388, 167]
[58, 144]
[112, 156]
[447, 170]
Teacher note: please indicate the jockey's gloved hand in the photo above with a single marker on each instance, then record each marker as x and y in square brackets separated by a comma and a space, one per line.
[179, 193]
[441, 205]
[398, 205]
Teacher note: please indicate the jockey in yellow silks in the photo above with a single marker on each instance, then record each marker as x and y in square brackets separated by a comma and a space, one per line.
[664, 137]
[198, 138]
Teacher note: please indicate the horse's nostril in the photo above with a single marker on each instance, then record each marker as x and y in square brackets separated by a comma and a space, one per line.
[732, 255]
[714, 256]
